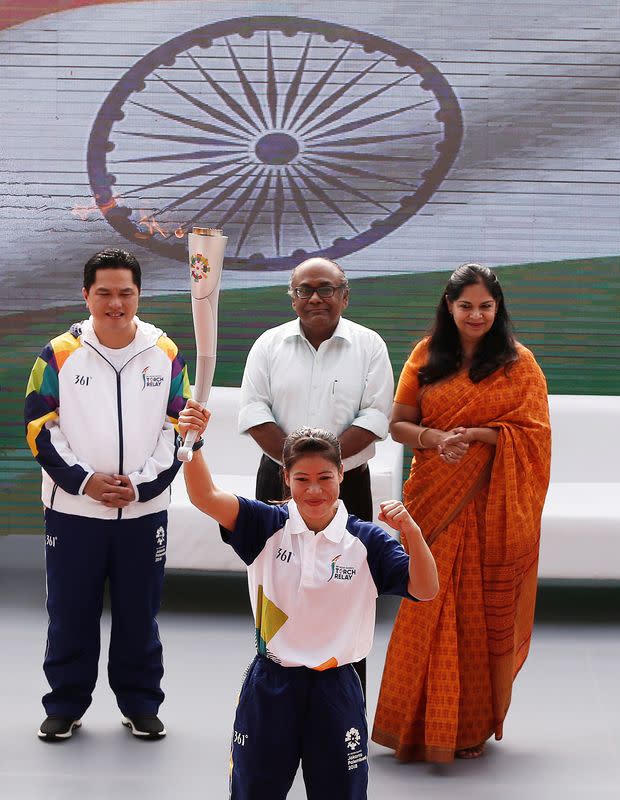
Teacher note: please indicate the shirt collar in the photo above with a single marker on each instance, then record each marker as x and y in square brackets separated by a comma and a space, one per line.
[343, 330]
[334, 531]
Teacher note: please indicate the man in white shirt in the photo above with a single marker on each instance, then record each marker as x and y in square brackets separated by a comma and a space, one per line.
[318, 370]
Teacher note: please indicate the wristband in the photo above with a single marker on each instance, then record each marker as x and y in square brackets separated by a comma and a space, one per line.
[197, 444]
[421, 433]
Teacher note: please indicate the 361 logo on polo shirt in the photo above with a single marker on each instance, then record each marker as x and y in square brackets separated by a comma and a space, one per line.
[283, 555]
[340, 573]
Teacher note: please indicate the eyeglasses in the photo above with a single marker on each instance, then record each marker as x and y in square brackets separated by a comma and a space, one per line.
[305, 292]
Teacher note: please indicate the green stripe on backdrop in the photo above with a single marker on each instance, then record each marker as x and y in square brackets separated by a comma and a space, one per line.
[567, 312]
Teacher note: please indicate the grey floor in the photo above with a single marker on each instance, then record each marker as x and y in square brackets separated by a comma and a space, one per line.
[562, 735]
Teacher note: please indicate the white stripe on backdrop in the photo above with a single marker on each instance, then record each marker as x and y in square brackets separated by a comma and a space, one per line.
[536, 177]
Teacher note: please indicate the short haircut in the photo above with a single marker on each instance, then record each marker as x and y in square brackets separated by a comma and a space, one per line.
[344, 283]
[112, 258]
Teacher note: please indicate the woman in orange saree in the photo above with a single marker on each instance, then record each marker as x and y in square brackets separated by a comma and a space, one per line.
[477, 418]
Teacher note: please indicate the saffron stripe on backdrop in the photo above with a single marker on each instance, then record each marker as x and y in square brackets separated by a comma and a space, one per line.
[14, 12]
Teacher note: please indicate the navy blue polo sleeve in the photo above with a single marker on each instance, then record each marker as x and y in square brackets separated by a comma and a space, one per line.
[256, 523]
[387, 560]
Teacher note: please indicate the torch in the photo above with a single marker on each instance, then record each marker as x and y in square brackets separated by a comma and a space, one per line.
[206, 256]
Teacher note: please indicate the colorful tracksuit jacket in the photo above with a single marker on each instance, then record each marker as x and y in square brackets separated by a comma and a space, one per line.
[84, 416]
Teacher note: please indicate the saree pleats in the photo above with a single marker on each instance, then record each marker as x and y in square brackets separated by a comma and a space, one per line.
[451, 662]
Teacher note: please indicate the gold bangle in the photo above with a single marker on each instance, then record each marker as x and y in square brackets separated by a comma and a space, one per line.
[421, 433]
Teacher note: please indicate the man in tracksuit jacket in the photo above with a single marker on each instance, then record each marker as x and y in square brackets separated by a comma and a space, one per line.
[101, 408]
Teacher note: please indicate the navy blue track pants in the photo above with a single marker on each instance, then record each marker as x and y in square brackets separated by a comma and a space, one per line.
[81, 554]
[290, 714]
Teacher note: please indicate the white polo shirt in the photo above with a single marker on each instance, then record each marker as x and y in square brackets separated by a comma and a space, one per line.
[314, 595]
[347, 381]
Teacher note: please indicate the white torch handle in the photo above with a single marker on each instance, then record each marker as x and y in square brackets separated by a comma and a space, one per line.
[205, 369]
[205, 283]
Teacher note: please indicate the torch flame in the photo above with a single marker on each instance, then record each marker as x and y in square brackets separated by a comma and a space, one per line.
[84, 212]
[147, 221]
[152, 226]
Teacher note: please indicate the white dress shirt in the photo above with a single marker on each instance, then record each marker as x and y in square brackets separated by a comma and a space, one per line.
[347, 381]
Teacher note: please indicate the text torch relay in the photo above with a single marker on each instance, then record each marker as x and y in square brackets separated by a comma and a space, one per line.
[206, 257]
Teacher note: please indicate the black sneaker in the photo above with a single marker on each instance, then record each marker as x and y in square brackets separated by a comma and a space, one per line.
[148, 726]
[55, 728]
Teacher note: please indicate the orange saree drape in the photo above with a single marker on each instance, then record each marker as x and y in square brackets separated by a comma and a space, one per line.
[451, 662]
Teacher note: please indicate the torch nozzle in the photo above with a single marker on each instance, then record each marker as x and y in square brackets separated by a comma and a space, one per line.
[208, 231]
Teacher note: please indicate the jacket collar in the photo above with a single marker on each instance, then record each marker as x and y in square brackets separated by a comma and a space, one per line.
[146, 334]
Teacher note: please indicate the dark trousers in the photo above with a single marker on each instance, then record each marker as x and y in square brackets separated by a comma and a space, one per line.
[81, 554]
[290, 714]
[355, 493]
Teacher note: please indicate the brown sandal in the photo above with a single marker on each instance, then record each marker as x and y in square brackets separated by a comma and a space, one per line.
[470, 752]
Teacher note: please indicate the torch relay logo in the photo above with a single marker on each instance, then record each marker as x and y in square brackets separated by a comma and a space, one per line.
[341, 573]
[151, 381]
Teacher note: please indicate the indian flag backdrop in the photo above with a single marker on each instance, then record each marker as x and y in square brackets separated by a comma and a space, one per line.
[399, 138]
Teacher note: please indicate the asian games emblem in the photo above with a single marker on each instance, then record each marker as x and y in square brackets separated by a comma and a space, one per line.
[160, 544]
[352, 738]
[199, 267]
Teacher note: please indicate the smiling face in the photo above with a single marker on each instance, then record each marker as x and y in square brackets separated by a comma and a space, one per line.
[314, 482]
[319, 316]
[473, 313]
[113, 302]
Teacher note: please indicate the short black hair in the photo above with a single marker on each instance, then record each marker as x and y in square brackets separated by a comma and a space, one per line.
[112, 258]
[344, 280]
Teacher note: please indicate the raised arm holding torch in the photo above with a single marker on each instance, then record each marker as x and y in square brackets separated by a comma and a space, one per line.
[206, 257]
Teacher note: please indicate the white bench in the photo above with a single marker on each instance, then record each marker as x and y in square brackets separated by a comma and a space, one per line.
[194, 540]
[580, 536]
[581, 518]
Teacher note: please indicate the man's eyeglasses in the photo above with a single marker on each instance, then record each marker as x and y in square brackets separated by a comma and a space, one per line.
[305, 292]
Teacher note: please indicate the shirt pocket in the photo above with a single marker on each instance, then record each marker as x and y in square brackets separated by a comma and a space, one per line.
[343, 398]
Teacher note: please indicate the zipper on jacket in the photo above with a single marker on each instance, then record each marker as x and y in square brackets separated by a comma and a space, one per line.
[119, 408]
[53, 495]
[119, 405]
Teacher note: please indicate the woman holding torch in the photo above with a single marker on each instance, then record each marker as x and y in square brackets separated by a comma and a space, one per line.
[314, 574]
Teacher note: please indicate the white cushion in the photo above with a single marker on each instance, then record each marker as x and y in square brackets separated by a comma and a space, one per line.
[585, 438]
[580, 536]
[194, 540]
[580, 522]
[580, 532]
